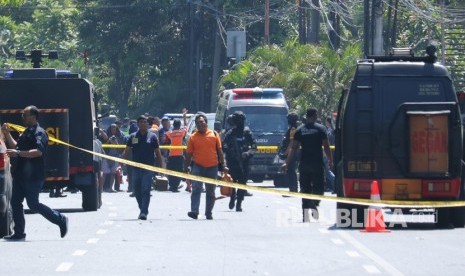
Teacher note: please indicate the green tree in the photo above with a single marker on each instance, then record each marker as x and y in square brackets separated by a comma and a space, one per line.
[311, 75]
[143, 44]
[42, 25]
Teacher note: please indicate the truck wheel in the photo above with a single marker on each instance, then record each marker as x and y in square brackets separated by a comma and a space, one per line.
[6, 223]
[90, 200]
[280, 181]
[350, 215]
[443, 219]
[458, 213]
[458, 217]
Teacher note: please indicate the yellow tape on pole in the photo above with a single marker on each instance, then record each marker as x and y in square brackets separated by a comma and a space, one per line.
[359, 201]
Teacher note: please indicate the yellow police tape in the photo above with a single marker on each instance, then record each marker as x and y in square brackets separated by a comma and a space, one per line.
[120, 146]
[358, 201]
[260, 148]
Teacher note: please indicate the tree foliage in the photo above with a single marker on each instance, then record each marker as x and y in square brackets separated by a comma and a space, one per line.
[311, 75]
[139, 51]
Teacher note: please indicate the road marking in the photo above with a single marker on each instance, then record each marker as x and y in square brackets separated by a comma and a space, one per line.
[79, 252]
[92, 240]
[323, 231]
[112, 215]
[353, 254]
[63, 267]
[112, 208]
[370, 254]
[337, 241]
[108, 222]
[371, 269]
[108, 203]
[102, 231]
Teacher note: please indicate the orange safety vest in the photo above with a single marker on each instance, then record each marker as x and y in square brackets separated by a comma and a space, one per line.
[176, 137]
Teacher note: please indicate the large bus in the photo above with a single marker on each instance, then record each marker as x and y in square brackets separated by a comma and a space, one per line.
[266, 110]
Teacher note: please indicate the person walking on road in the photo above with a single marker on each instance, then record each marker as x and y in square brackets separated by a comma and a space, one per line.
[310, 137]
[204, 151]
[29, 174]
[239, 147]
[144, 146]
[176, 157]
[292, 119]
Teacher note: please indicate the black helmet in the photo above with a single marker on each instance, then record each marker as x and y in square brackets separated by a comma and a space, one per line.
[238, 117]
[292, 118]
[230, 120]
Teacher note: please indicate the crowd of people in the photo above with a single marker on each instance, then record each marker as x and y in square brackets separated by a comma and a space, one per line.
[206, 155]
[305, 149]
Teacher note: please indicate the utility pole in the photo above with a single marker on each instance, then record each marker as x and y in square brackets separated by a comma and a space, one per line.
[334, 25]
[387, 37]
[198, 17]
[304, 24]
[394, 26]
[314, 36]
[267, 22]
[216, 61]
[443, 40]
[190, 88]
[366, 28]
[378, 27]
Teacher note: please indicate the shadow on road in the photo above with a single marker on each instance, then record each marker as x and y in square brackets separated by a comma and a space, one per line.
[62, 210]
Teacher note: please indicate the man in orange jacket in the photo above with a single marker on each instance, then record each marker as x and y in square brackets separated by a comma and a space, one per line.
[176, 157]
[204, 151]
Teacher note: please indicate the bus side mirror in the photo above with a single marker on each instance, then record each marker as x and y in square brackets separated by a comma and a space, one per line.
[217, 126]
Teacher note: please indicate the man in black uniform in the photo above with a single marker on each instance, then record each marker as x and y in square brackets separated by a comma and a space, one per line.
[311, 137]
[144, 146]
[239, 147]
[29, 174]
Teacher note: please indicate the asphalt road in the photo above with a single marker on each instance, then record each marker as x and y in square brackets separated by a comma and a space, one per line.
[267, 238]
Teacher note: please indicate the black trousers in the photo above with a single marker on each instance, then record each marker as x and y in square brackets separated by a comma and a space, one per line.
[240, 177]
[292, 176]
[312, 181]
[175, 163]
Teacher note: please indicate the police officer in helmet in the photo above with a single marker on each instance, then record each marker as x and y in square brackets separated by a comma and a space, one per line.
[238, 147]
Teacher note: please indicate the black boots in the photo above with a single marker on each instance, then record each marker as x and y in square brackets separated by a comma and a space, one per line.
[239, 206]
[232, 202]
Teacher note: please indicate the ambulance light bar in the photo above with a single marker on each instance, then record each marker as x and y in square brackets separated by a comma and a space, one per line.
[257, 91]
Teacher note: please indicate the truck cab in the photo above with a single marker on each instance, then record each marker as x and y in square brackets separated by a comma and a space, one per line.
[265, 110]
[400, 124]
